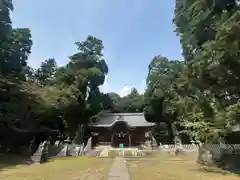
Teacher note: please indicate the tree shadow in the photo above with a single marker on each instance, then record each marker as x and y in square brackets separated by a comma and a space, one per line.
[213, 170]
[231, 164]
[11, 161]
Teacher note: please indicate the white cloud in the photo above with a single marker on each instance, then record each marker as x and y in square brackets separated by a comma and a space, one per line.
[141, 89]
[125, 91]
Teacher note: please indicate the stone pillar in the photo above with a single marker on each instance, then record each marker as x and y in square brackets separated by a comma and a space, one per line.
[154, 142]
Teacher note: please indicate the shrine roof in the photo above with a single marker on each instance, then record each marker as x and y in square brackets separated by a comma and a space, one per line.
[131, 119]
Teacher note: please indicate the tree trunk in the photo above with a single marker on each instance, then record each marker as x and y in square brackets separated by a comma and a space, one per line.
[174, 132]
[78, 139]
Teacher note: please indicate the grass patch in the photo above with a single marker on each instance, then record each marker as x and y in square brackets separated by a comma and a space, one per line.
[168, 167]
[69, 168]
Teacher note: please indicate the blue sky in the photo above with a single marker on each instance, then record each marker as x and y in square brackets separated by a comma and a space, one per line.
[132, 31]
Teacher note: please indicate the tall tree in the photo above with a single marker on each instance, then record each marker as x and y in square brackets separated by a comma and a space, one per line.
[5, 31]
[211, 45]
[82, 75]
[162, 76]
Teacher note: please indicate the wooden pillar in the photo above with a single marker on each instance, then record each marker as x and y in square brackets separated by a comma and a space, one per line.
[129, 140]
[112, 140]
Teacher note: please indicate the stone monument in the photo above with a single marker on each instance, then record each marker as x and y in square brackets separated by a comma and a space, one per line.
[63, 151]
[88, 146]
[41, 155]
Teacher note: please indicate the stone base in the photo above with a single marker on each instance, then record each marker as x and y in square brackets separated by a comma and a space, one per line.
[39, 158]
[205, 157]
[36, 159]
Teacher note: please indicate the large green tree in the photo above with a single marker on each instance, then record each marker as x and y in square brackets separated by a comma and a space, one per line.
[161, 80]
[210, 40]
[50, 98]
[82, 77]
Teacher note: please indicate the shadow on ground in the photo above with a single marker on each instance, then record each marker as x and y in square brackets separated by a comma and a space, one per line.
[11, 161]
[232, 164]
[213, 170]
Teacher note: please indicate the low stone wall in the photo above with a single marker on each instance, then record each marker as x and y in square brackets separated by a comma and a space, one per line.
[228, 148]
[186, 147]
[208, 154]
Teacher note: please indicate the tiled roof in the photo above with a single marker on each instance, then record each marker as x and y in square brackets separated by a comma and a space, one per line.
[132, 120]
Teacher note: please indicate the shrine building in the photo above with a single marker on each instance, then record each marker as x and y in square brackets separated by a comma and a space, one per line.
[129, 129]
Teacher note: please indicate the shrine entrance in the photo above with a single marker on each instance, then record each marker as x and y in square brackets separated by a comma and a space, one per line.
[121, 134]
[121, 138]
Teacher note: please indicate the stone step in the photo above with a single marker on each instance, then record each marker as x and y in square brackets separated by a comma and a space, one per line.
[93, 153]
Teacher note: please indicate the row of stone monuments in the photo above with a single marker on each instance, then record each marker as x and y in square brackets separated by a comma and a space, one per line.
[45, 151]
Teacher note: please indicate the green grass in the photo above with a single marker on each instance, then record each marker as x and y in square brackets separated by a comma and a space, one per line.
[168, 167]
[68, 168]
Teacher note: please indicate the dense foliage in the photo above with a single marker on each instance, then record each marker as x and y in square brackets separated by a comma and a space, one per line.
[51, 100]
[209, 34]
[199, 95]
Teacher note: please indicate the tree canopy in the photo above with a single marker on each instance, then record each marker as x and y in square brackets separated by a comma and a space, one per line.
[199, 94]
[210, 41]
